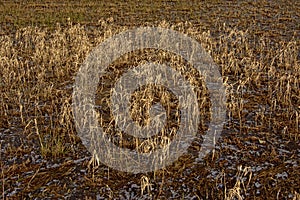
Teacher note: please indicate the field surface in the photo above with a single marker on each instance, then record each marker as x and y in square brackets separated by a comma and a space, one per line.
[255, 45]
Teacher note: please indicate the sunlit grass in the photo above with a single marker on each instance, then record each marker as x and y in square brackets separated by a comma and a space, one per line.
[38, 66]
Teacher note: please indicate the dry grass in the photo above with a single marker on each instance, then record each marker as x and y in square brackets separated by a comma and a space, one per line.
[41, 155]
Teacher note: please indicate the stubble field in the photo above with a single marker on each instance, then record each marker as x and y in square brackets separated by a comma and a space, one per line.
[256, 47]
